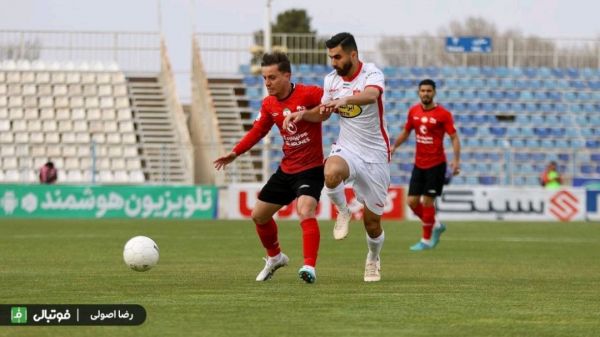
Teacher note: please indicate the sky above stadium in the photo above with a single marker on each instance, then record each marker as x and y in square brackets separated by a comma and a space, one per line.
[543, 18]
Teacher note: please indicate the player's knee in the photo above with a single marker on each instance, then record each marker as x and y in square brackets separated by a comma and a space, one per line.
[412, 202]
[306, 213]
[259, 218]
[332, 179]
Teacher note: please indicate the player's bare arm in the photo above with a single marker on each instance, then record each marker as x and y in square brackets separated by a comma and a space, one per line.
[455, 165]
[401, 139]
[368, 96]
[309, 115]
[223, 161]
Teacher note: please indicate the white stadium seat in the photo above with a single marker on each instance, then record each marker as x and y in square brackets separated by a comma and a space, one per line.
[58, 77]
[126, 126]
[92, 102]
[53, 150]
[29, 89]
[73, 77]
[11, 175]
[117, 163]
[115, 151]
[99, 138]
[124, 115]
[4, 125]
[13, 77]
[30, 102]
[43, 77]
[3, 89]
[129, 138]
[15, 101]
[61, 102]
[120, 90]
[71, 163]
[3, 113]
[113, 138]
[21, 137]
[31, 113]
[6, 137]
[27, 77]
[69, 151]
[77, 114]
[103, 78]
[68, 137]
[34, 125]
[75, 90]
[130, 151]
[88, 78]
[14, 90]
[36, 137]
[109, 114]
[44, 90]
[90, 90]
[76, 102]
[110, 126]
[60, 90]
[121, 176]
[133, 164]
[106, 177]
[107, 102]
[83, 137]
[83, 151]
[52, 138]
[19, 125]
[49, 126]
[74, 176]
[80, 126]
[9, 163]
[122, 102]
[63, 114]
[65, 125]
[93, 114]
[46, 102]
[38, 151]
[7, 150]
[105, 90]
[137, 176]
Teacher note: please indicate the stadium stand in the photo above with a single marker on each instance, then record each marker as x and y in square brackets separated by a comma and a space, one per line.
[92, 121]
[512, 121]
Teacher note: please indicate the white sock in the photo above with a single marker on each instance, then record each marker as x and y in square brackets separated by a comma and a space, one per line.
[275, 258]
[437, 223]
[338, 197]
[375, 245]
[426, 241]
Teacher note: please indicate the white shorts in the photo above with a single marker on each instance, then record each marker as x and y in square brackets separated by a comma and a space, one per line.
[370, 181]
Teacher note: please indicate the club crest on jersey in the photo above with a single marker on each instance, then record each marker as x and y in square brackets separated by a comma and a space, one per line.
[424, 119]
[423, 129]
[292, 128]
[349, 110]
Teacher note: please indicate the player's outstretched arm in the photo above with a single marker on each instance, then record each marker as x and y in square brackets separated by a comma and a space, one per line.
[310, 115]
[368, 96]
[455, 165]
[223, 161]
[401, 139]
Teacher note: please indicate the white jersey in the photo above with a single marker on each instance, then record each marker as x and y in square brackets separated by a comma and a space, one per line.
[363, 129]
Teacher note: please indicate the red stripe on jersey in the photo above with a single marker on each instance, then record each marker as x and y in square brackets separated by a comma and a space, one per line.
[376, 87]
[350, 79]
[383, 132]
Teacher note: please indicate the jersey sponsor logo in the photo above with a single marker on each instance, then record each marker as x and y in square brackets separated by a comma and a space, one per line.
[303, 186]
[350, 110]
[423, 129]
[432, 120]
[424, 119]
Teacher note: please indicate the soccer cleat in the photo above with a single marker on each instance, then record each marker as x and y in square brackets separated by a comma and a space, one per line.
[308, 274]
[340, 230]
[420, 246]
[271, 266]
[373, 271]
[435, 236]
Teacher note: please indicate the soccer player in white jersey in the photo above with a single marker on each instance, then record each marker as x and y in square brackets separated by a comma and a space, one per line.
[361, 154]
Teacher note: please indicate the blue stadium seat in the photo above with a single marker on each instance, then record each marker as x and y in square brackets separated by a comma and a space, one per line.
[252, 80]
[320, 69]
[541, 132]
[592, 144]
[562, 143]
[304, 69]
[448, 71]
[403, 71]
[513, 132]
[595, 157]
[547, 143]
[507, 83]
[554, 95]
[549, 84]
[473, 71]
[594, 85]
[488, 107]
[255, 105]
[245, 69]
[478, 83]
[502, 72]
[572, 72]
[498, 131]
[518, 143]
[522, 156]
[531, 108]
[487, 180]
[389, 72]
[558, 132]
[577, 143]
[558, 72]
[539, 95]
[469, 95]
[526, 95]
[586, 169]
[544, 72]
[516, 72]
[478, 119]
[489, 143]
[579, 85]
[497, 95]
[488, 72]
[512, 95]
[530, 72]
[532, 143]
[473, 107]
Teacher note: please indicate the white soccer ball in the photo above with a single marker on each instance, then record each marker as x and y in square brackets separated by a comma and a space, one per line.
[140, 253]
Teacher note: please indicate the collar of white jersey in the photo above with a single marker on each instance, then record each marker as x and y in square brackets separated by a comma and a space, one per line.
[350, 79]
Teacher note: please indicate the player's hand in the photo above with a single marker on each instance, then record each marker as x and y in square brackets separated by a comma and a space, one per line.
[394, 148]
[223, 161]
[333, 106]
[455, 166]
[293, 117]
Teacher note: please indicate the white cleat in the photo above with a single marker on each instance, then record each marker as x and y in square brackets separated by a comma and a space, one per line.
[373, 271]
[271, 266]
[342, 222]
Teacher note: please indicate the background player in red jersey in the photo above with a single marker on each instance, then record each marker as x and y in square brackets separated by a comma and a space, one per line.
[300, 174]
[430, 122]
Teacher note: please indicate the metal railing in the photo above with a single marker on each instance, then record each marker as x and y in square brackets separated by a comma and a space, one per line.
[132, 51]
[224, 53]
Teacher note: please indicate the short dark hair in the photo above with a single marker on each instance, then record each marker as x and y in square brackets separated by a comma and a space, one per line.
[278, 58]
[346, 40]
[427, 81]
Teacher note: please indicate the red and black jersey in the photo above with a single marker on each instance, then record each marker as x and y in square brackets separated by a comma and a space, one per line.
[302, 141]
[430, 126]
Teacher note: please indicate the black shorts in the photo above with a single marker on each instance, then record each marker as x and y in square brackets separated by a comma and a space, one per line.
[429, 182]
[283, 188]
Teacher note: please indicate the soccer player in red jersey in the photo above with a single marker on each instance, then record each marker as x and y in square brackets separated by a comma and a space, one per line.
[430, 122]
[300, 174]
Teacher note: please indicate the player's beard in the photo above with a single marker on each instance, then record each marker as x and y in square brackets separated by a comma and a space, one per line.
[426, 100]
[344, 70]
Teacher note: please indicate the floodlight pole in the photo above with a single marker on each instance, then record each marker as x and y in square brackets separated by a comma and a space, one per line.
[267, 49]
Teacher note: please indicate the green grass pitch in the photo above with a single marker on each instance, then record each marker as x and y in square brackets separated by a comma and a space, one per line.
[484, 279]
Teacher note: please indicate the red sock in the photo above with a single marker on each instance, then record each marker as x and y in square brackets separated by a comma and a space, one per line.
[268, 236]
[418, 210]
[428, 221]
[310, 240]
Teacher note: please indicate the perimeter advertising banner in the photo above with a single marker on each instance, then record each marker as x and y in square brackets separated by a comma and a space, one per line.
[70, 201]
[593, 205]
[243, 197]
[511, 203]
